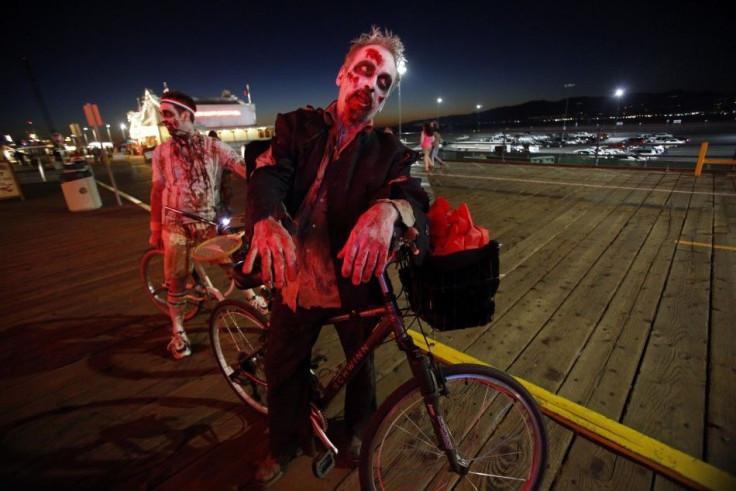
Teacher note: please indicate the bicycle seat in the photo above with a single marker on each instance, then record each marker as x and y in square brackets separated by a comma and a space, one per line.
[244, 281]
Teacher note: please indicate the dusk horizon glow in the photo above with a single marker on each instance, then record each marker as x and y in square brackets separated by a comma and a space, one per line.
[289, 55]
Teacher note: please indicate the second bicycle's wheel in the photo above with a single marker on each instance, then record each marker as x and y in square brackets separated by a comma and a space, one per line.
[238, 335]
[492, 420]
[151, 271]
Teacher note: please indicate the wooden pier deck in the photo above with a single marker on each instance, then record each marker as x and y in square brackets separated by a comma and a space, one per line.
[619, 294]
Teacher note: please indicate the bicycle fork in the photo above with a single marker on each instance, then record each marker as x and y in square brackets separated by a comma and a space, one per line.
[432, 385]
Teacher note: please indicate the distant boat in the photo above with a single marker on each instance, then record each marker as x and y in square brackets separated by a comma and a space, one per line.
[492, 144]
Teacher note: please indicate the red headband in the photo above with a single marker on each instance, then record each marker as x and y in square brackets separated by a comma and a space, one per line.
[180, 104]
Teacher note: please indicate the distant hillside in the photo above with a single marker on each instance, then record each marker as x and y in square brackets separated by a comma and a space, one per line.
[645, 107]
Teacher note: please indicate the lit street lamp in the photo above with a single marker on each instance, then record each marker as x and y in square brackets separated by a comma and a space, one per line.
[567, 99]
[439, 101]
[109, 136]
[84, 132]
[477, 109]
[619, 93]
[402, 70]
[122, 130]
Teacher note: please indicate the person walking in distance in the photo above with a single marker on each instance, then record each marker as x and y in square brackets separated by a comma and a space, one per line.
[324, 200]
[436, 142]
[187, 170]
[426, 144]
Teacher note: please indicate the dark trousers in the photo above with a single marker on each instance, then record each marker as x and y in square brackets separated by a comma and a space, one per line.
[288, 356]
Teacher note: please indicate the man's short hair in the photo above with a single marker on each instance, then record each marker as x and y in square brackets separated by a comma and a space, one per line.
[384, 38]
[180, 100]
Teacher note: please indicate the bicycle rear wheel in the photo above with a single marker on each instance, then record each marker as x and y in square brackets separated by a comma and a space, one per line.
[151, 271]
[238, 334]
[494, 424]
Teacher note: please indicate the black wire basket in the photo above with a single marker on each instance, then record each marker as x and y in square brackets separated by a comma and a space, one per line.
[454, 291]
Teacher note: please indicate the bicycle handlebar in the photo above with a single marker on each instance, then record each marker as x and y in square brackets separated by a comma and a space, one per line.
[223, 226]
[191, 215]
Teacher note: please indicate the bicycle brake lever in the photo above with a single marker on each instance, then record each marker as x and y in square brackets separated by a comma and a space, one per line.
[409, 240]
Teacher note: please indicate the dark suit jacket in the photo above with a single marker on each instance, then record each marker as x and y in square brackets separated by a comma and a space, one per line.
[375, 165]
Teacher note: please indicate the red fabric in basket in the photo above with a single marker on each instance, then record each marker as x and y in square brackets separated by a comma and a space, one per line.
[453, 230]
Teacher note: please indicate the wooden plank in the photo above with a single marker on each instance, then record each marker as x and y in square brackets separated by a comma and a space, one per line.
[567, 241]
[721, 417]
[672, 462]
[557, 446]
[666, 384]
[86, 375]
[602, 375]
[570, 310]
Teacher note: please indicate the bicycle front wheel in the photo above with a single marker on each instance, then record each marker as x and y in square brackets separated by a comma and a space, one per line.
[151, 271]
[493, 422]
[238, 334]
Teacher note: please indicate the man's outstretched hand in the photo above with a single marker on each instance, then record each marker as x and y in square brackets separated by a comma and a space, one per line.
[276, 248]
[366, 251]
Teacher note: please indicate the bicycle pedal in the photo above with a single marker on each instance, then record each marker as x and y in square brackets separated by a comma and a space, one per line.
[317, 361]
[323, 463]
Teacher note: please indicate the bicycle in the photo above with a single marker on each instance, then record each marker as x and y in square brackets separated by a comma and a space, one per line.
[458, 426]
[207, 257]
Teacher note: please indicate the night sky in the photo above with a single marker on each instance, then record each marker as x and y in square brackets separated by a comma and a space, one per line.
[466, 52]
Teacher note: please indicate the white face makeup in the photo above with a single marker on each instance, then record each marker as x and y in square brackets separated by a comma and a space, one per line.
[176, 124]
[365, 83]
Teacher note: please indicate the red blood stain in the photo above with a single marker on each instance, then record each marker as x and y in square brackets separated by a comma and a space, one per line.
[352, 78]
[375, 55]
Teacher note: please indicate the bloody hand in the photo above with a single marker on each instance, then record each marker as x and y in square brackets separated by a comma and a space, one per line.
[366, 251]
[278, 254]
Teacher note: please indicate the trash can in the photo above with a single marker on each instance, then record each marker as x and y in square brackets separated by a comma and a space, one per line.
[79, 186]
[58, 159]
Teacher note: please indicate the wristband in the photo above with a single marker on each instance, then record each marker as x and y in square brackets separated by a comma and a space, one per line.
[403, 208]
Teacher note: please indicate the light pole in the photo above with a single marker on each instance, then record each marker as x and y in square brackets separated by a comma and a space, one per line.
[122, 130]
[402, 70]
[109, 136]
[84, 132]
[619, 93]
[567, 99]
[503, 148]
[477, 109]
[439, 101]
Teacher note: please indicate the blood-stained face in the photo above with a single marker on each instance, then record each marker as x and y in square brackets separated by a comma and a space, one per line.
[177, 124]
[365, 82]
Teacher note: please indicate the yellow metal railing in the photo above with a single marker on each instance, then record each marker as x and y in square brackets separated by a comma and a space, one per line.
[702, 160]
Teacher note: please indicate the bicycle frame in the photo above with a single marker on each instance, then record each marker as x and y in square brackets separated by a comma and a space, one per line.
[474, 422]
[211, 289]
[390, 322]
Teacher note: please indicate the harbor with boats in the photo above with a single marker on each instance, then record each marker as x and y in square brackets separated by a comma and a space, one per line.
[653, 146]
